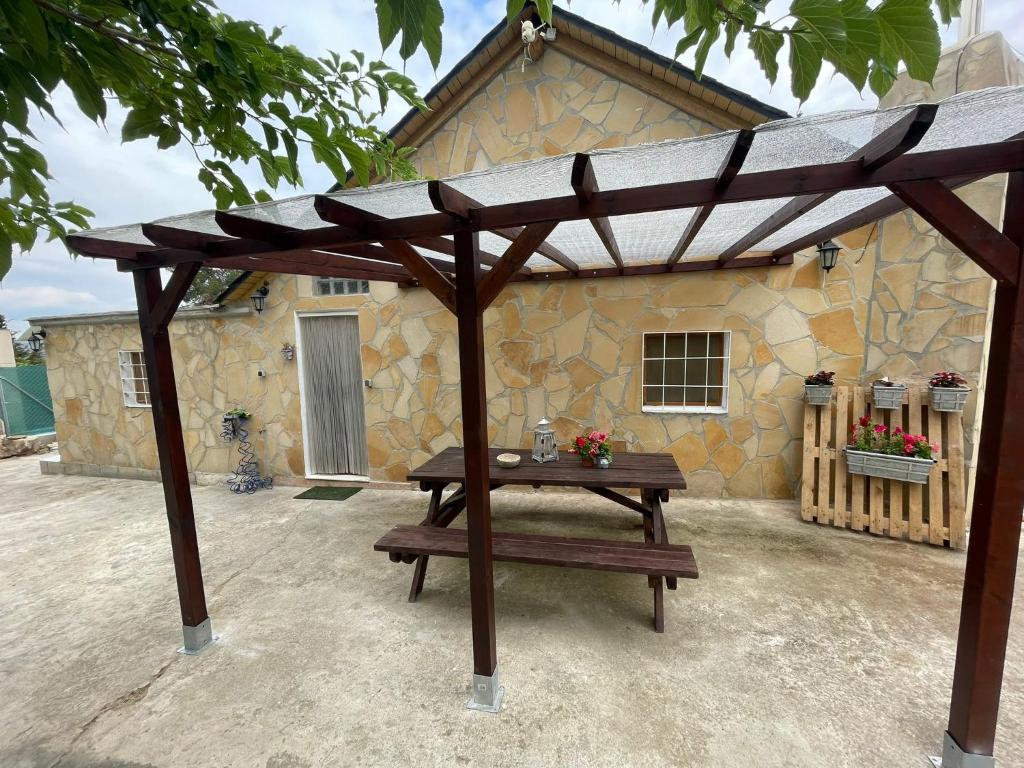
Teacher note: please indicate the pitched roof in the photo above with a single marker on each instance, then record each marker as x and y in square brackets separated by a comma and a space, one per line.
[574, 32]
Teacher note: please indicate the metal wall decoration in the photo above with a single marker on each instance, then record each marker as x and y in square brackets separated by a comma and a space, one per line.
[246, 478]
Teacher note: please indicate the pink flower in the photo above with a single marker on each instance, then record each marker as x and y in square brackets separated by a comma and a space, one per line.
[935, 447]
[573, 450]
[864, 421]
[908, 448]
[593, 451]
[897, 430]
[879, 429]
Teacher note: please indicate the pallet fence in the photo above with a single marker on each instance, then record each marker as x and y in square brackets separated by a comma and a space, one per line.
[934, 512]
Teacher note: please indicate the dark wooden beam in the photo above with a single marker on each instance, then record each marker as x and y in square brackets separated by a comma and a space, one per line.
[473, 385]
[100, 248]
[887, 206]
[172, 295]
[727, 171]
[976, 161]
[584, 184]
[898, 138]
[994, 542]
[428, 276]
[170, 446]
[697, 265]
[963, 226]
[460, 207]
[516, 255]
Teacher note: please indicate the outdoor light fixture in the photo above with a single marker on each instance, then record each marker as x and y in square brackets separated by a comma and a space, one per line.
[35, 341]
[287, 351]
[544, 448]
[259, 297]
[828, 255]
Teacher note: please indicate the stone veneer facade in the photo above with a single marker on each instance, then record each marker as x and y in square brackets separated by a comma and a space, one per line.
[902, 302]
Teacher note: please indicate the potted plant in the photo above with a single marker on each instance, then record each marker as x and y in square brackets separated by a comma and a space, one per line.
[230, 422]
[948, 391]
[818, 387]
[887, 395]
[897, 455]
[593, 449]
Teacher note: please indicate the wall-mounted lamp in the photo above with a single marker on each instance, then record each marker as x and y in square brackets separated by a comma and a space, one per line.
[259, 297]
[288, 351]
[35, 341]
[828, 255]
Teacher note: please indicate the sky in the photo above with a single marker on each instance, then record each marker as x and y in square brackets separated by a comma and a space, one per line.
[135, 182]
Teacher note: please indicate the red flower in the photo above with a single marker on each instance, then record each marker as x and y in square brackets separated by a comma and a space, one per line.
[897, 430]
[580, 442]
[879, 429]
[864, 421]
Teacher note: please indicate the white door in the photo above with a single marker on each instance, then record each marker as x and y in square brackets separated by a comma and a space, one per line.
[332, 379]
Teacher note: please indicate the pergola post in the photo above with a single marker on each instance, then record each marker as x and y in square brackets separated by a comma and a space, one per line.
[487, 688]
[996, 522]
[156, 307]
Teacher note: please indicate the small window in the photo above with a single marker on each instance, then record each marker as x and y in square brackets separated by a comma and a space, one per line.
[339, 286]
[134, 384]
[686, 372]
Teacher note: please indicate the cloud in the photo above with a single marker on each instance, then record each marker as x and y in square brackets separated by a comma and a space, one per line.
[134, 182]
[44, 297]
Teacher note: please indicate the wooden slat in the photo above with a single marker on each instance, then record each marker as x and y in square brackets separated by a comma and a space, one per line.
[662, 560]
[936, 521]
[515, 257]
[896, 489]
[810, 443]
[857, 516]
[957, 491]
[841, 515]
[825, 466]
[915, 494]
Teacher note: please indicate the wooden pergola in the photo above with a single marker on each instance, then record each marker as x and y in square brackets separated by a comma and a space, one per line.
[429, 234]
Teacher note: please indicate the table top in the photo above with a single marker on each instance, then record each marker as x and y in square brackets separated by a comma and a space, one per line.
[628, 470]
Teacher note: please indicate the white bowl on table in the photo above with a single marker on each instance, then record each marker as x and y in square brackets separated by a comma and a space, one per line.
[508, 460]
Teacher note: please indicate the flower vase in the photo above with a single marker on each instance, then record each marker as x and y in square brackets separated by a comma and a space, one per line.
[587, 461]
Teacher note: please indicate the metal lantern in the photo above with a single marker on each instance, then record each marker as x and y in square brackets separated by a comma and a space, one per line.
[544, 448]
[35, 341]
[828, 255]
[259, 297]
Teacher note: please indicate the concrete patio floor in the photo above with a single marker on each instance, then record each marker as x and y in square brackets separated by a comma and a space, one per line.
[798, 646]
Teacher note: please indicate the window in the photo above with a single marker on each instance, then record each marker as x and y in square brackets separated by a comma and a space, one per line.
[134, 384]
[339, 286]
[686, 372]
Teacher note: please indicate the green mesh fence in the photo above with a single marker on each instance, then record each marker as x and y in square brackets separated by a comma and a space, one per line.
[25, 404]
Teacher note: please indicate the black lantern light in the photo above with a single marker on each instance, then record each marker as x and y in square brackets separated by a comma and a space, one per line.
[828, 255]
[259, 297]
[35, 341]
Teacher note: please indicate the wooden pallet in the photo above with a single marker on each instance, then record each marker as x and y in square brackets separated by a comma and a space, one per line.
[933, 513]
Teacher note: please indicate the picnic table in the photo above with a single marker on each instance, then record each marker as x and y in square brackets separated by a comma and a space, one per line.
[653, 474]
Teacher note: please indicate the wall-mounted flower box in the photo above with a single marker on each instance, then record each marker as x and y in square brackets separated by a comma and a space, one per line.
[905, 468]
[887, 395]
[948, 392]
[818, 387]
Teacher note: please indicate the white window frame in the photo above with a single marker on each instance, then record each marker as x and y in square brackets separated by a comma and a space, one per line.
[127, 362]
[354, 287]
[723, 408]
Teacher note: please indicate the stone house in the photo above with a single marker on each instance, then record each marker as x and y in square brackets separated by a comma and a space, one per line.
[707, 365]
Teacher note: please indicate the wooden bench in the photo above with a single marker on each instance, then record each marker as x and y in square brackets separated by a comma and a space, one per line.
[405, 543]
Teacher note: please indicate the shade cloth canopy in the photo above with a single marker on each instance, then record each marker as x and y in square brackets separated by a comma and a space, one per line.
[631, 230]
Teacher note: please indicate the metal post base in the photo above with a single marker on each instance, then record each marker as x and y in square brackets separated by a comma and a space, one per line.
[197, 638]
[954, 757]
[487, 693]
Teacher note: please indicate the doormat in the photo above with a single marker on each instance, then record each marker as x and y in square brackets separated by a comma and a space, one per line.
[327, 493]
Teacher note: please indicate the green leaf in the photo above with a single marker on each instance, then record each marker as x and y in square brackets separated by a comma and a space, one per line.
[862, 41]
[804, 62]
[948, 10]
[87, 92]
[910, 33]
[26, 18]
[419, 21]
[710, 36]
[732, 30]
[6, 253]
[688, 42]
[881, 79]
[823, 19]
[766, 46]
[357, 158]
[142, 122]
